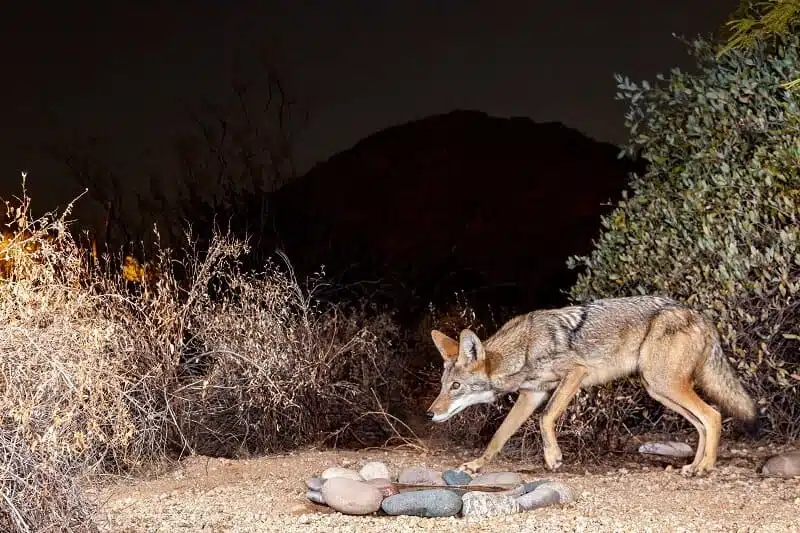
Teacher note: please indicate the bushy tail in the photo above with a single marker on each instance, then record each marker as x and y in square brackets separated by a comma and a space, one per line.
[717, 379]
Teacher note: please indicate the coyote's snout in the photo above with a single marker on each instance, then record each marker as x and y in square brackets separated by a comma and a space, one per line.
[554, 353]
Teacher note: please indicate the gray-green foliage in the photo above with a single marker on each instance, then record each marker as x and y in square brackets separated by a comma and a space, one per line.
[714, 219]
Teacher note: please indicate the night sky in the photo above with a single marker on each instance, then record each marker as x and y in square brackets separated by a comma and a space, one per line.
[128, 73]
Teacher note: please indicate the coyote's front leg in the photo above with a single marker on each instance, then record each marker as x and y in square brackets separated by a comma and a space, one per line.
[558, 403]
[526, 404]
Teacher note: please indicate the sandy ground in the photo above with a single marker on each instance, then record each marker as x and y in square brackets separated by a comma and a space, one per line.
[628, 492]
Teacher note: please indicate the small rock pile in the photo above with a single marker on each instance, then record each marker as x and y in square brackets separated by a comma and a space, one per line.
[371, 490]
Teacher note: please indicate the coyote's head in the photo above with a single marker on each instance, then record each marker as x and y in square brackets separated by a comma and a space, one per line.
[465, 380]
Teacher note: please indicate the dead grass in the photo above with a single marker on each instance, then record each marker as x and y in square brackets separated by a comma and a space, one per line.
[100, 375]
[276, 368]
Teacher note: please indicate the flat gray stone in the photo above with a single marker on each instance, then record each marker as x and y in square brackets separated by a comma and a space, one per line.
[427, 503]
[671, 448]
[498, 478]
[456, 477]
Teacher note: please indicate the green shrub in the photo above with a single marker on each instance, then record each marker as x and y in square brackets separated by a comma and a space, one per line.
[713, 221]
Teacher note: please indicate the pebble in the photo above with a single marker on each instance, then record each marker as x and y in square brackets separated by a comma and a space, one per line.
[315, 496]
[427, 503]
[420, 476]
[349, 496]
[315, 483]
[483, 504]
[785, 464]
[671, 448]
[336, 471]
[456, 477]
[498, 478]
[374, 470]
[384, 485]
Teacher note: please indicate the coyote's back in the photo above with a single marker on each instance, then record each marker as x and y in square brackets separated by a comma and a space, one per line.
[618, 337]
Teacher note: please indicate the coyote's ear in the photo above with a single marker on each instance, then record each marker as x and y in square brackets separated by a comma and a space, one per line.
[446, 346]
[470, 347]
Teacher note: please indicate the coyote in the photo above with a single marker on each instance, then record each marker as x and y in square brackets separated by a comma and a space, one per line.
[554, 353]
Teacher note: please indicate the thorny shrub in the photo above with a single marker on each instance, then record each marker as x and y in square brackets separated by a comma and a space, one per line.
[98, 376]
[714, 221]
[271, 367]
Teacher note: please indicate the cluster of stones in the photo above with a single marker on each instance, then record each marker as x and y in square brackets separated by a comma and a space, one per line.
[371, 490]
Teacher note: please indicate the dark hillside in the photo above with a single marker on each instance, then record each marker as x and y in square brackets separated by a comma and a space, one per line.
[454, 202]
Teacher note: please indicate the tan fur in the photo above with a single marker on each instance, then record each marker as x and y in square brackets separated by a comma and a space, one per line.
[555, 353]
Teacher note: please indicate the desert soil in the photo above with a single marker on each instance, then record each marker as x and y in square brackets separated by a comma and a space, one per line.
[627, 492]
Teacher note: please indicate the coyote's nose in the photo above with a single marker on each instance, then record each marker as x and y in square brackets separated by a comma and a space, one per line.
[429, 414]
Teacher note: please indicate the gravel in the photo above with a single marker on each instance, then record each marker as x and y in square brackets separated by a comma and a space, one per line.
[268, 494]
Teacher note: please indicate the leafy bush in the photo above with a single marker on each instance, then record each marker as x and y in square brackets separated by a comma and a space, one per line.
[714, 220]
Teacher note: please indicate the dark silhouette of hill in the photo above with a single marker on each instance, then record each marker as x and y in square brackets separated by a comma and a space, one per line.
[454, 202]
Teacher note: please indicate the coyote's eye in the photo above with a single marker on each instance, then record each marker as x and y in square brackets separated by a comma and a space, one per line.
[455, 386]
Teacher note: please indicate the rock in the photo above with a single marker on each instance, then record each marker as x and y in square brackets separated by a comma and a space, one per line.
[456, 477]
[673, 449]
[498, 478]
[567, 493]
[427, 503]
[785, 464]
[374, 470]
[315, 483]
[531, 485]
[349, 496]
[384, 485]
[519, 490]
[336, 471]
[483, 504]
[315, 496]
[548, 493]
[540, 497]
[420, 476]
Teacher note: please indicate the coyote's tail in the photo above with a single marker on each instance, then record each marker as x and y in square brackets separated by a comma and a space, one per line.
[717, 379]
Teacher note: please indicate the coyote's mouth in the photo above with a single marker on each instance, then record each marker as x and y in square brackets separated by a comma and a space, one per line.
[461, 403]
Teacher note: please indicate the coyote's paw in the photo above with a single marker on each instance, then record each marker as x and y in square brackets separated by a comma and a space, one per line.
[688, 470]
[552, 458]
[473, 467]
[691, 470]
